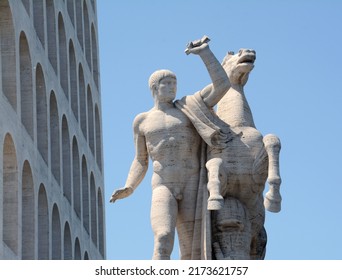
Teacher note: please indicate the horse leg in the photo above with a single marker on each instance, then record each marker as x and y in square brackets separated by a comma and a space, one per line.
[215, 181]
[272, 201]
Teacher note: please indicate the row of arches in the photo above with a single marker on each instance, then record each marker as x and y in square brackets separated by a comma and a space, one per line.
[80, 15]
[84, 108]
[40, 217]
[50, 80]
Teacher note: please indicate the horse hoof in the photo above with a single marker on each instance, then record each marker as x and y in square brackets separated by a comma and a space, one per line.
[273, 206]
[215, 203]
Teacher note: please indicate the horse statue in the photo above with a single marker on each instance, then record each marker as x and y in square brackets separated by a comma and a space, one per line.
[237, 173]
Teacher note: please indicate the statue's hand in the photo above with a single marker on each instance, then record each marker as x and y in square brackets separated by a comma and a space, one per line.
[195, 47]
[120, 193]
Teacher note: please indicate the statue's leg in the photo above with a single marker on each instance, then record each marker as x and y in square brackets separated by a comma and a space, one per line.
[163, 220]
[272, 200]
[215, 178]
[186, 220]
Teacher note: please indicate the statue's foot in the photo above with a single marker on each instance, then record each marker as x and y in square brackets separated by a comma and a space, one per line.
[215, 202]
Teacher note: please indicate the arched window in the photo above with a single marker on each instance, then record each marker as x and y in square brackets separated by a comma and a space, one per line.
[26, 4]
[54, 137]
[38, 19]
[71, 9]
[98, 138]
[94, 56]
[63, 64]
[85, 194]
[10, 195]
[51, 33]
[73, 80]
[43, 225]
[56, 234]
[41, 107]
[76, 177]
[86, 33]
[67, 242]
[27, 214]
[79, 20]
[82, 98]
[93, 203]
[100, 221]
[8, 54]
[66, 159]
[26, 85]
[90, 119]
[77, 253]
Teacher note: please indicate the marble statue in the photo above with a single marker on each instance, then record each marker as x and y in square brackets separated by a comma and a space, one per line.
[209, 168]
[242, 168]
[166, 136]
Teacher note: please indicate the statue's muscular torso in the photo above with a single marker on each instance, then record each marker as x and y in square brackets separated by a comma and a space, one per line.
[173, 146]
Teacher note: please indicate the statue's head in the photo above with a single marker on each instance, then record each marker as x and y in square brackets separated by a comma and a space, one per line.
[238, 66]
[157, 76]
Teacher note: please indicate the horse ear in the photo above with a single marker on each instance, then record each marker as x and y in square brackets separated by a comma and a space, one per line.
[227, 57]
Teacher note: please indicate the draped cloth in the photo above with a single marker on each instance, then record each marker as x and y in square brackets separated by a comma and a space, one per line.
[215, 134]
[210, 127]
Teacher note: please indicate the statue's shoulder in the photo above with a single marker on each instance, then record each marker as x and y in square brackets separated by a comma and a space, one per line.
[139, 120]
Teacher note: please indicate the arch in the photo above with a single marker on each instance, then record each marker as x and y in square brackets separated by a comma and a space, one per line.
[26, 85]
[79, 22]
[100, 221]
[77, 250]
[27, 213]
[54, 137]
[86, 256]
[76, 177]
[66, 159]
[93, 216]
[63, 64]
[95, 67]
[67, 242]
[82, 98]
[73, 79]
[10, 195]
[56, 234]
[43, 224]
[8, 54]
[85, 194]
[26, 4]
[38, 19]
[41, 114]
[93, 4]
[51, 33]
[98, 139]
[71, 11]
[90, 119]
[86, 33]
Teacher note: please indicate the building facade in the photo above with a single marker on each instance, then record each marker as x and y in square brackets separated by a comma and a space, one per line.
[51, 159]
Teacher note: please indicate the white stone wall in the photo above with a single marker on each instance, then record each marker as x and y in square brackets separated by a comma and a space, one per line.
[51, 159]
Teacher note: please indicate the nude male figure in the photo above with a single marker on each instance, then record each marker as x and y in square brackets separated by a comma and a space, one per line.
[166, 136]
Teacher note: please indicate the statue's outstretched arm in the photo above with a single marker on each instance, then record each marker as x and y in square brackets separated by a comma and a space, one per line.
[138, 168]
[212, 93]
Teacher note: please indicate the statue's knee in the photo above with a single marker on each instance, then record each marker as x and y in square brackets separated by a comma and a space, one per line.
[163, 245]
[272, 142]
[214, 163]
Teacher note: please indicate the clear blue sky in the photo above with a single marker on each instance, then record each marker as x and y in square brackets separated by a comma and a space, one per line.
[294, 91]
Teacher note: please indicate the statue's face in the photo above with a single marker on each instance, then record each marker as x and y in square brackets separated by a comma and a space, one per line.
[167, 89]
[238, 66]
